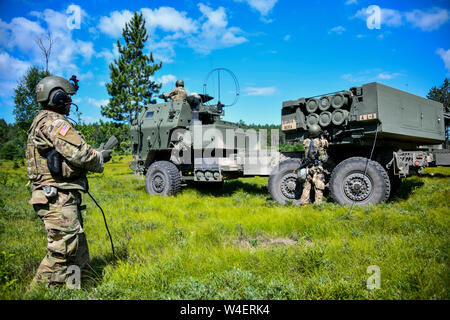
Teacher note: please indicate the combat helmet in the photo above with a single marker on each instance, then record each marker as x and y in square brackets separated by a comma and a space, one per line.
[179, 83]
[54, 91]
[314, 130]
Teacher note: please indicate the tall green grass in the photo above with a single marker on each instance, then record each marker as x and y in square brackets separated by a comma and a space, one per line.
[236, 243]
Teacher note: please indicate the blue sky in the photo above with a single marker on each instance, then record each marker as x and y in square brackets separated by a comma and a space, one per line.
[279, 50]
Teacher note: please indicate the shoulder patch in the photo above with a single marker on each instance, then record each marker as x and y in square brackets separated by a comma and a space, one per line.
[65, 127]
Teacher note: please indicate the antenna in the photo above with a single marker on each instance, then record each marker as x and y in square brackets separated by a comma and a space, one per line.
[236, 85]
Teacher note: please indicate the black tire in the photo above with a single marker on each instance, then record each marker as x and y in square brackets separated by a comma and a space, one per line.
[348, 184]
[163, 178]
[283, 183]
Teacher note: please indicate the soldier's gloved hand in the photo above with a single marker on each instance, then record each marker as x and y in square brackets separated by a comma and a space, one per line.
[107, 154]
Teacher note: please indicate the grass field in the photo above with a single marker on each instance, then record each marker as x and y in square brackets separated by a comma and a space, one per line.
[236, 243]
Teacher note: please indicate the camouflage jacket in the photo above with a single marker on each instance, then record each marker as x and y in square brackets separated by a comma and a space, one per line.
[317, 150]
[51, 130]
[176, 94]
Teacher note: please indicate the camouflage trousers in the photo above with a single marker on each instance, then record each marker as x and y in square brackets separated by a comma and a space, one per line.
[315, 177]
[67, 245]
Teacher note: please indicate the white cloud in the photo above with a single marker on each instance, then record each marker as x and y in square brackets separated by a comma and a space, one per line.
[287, 37]
[85, 76]
[85, 49]
[445, 55]
[96, 102]
[12, 68]
[114, 24]
[163, 50]
[428, 21]
[264, 7]
[381, 36]
[348, 2]
[389, 17]
[214, 32]
[371, 75]
[169, 20]
[262, 91]
[7, 89]
[166, 18]
[209, 32]
[20, 34]
[387, 75]
[167, 78]
[108, 55]
[425, 20]
[337, 30]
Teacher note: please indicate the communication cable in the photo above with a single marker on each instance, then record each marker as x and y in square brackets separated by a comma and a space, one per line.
[107, 229]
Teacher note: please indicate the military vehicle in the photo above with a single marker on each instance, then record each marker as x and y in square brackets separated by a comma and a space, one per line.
[396, 127]
[187, 142]
[391, 127]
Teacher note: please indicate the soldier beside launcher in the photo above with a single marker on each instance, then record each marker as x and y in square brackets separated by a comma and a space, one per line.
[315, 154]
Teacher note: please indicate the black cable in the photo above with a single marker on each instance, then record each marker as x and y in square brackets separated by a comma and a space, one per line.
[69, 118]
[365, 169]
[76, 106]
[106, 225]
[68, 114]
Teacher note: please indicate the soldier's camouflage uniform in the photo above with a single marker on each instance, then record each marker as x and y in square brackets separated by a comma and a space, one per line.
[315, 149]
[61, 214]
[179, 93]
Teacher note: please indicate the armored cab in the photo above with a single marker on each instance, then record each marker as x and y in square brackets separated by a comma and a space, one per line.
[373, 119]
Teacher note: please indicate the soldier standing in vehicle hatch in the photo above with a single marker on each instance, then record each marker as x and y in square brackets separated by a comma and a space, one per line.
[315, 152]
[179, 93]
[56, 197]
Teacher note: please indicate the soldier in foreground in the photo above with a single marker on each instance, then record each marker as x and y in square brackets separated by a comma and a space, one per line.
[58, 159]
[315, 153]
[179, 93]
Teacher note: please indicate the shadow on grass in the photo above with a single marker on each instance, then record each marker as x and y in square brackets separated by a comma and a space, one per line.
[99, 263]
[228, 188]
[405, 188]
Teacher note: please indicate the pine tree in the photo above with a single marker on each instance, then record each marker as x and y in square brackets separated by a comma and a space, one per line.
[131, 74]
[442, 95]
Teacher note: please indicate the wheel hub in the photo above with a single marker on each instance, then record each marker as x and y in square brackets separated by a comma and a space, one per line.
[289, 186]
[357, 186]
[158, 182]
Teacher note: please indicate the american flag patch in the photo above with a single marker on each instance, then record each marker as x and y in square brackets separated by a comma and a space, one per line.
[64, 129]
